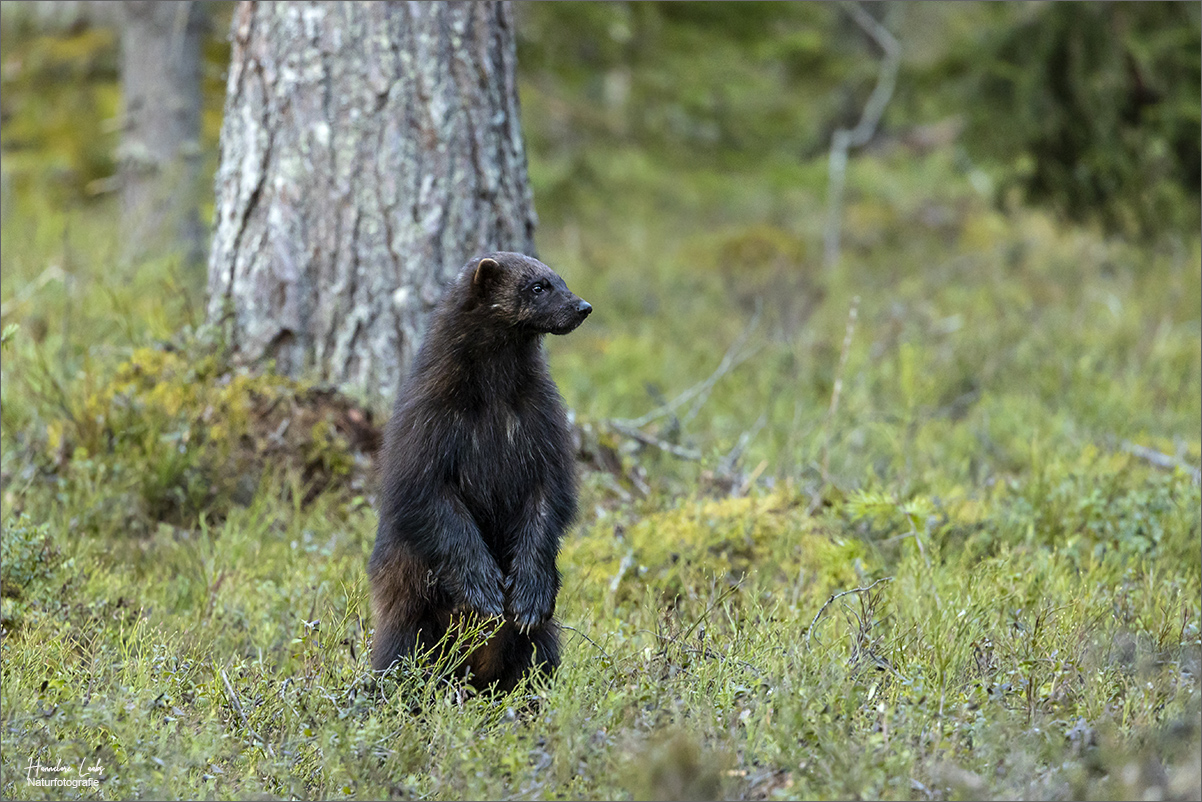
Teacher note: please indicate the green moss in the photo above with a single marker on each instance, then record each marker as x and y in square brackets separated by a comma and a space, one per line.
[178, 433]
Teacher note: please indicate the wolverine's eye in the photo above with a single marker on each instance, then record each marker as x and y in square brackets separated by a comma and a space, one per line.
[537, 288]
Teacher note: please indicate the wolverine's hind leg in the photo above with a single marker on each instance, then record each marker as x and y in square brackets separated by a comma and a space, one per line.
[544, 642]
[537, 650]
[402, 608]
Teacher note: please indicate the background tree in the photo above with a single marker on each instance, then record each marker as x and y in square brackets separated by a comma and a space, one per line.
[1095, 109]
[160, 153]
[367, 151]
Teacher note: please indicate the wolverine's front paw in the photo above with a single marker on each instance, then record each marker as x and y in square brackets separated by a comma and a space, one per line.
[483, 593]
[488, 605]
[529, 601]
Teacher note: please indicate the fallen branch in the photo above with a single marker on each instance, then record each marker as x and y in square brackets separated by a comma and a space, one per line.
[1161, 460]
[698, 393]
[733, 358]
[646, 439]
[726, 465]
[840, 595]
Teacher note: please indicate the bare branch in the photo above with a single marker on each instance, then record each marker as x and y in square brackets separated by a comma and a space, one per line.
[229, 689]
[843, 139]
[733, 358]
[726, 465]
[698, 393]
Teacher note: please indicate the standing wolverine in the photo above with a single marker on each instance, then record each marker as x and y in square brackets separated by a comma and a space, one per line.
[478, 483]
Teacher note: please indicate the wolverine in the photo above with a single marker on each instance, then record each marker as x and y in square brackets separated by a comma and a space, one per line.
[477, 482]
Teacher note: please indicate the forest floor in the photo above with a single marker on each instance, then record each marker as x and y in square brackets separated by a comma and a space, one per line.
[921, 524]
[996, 455]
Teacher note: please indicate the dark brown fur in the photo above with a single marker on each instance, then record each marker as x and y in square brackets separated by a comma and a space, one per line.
[478, 482]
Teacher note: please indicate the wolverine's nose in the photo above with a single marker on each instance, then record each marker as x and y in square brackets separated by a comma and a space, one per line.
[584, 307]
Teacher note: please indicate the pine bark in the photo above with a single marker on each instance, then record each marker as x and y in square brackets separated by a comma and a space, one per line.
[368, 150]
[160, 145]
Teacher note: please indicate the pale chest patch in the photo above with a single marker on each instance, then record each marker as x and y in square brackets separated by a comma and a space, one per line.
[512, 424]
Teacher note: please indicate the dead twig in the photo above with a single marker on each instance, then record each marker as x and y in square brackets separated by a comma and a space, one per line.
[864, 645]
[727, 464]
[52, 273]
[698, 393]
[840, 595]
[727, 364]
[843, 140]
[723, 596]
[749, 482]
[229, 689]
[706, 652]
[587, 638]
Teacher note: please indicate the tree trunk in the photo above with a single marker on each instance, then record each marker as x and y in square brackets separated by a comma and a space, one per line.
[368, 150]
[160, 148]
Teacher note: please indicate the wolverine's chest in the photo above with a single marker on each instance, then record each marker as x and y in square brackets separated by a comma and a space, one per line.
[505, 454]
[499, 442]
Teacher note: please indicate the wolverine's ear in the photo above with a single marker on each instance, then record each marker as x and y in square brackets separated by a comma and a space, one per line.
[487, 271]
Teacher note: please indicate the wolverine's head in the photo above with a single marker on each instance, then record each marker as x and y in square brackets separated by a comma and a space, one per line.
[523, 293]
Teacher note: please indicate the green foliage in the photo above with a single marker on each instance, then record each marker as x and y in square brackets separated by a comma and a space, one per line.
[1089, 108]
[1102, 508]
[29, 560]
[628, 72]
[28, 555]
[174, 434]
[1098, 106]
[43, 108]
